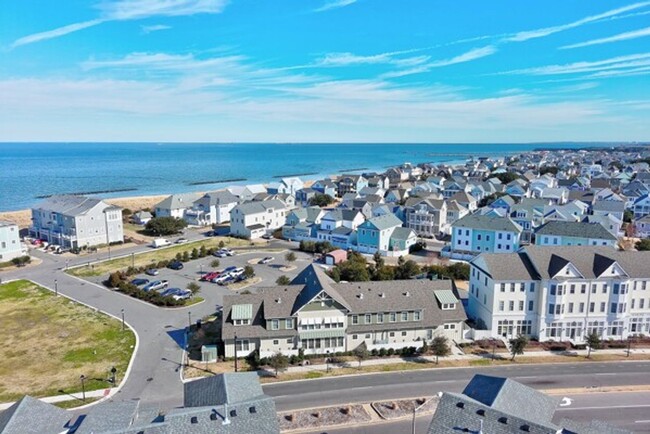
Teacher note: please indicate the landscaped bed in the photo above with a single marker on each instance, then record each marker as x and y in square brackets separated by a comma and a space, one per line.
[49, 342]
[154, 256]
[321, 417]
[400, 408]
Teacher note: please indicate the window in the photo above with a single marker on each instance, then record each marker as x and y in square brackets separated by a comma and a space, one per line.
[368, 318]
[290, 340]
[355, 337]
[604, 288]
[521, 305]
[572, 289]
[593, 288]
[581, 308]
[417, 315]
[392, 334]
[570, 307]
[583, 288]
[503, 287]
[403, 333]
[380, 318]
[532, 287]
[478, 237]
[530, 305]
[393, 317]
[511, 305]
[405, 316]
[501, 306]
[276, 342]
[615, 288]
[355, 319]
[553, 289]
[551, 308]
[522, 287]
[613, 308]
[275, 324]
[592, 307]
[242, 345]
[288, 323]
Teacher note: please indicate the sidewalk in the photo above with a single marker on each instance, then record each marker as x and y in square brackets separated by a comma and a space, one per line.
[100, 393]
[501, 355]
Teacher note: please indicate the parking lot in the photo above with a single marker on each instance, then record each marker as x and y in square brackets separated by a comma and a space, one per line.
[212, 292]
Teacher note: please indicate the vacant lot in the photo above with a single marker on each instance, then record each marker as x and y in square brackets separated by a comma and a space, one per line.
[155, 255]
[48, 342]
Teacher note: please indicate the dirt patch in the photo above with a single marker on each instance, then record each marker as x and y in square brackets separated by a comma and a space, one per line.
[322, 417]
[397, 409]
[288, 268]
[245, 284]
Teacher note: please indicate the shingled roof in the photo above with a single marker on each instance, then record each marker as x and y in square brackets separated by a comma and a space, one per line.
[576, 230]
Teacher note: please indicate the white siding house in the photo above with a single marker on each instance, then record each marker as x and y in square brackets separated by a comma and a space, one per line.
[10, 246]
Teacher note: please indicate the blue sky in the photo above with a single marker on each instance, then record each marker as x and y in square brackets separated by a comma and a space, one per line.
[325, 70]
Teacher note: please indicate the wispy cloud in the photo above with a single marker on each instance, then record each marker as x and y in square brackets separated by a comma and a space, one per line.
[50, 34]
[335, 4]
[546, 31]
[616, 38]
[154, 28]
[473, 54]
[619, 62]
[130, 10]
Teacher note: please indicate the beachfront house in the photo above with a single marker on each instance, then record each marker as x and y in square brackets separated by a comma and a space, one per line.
[350, 184]
[256, 219]
[302, 223]
[320, 316]
[561, 233]
[475, 234]
[561, 293]
[211, 208]
[288, 185]
[175, 205]
[325, 186]
[10, 245]
[75, 222]
[141, 217]
[381, 234]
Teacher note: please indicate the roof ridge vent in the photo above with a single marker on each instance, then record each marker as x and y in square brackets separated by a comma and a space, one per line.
[407, 294]
[360, 295]
[279, 300]
[382, 295]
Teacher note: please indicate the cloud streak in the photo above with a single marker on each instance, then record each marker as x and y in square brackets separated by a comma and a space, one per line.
[546, 31]
[473, 54]
[616, 38]
[130, 10]
[614, 63]
[335, 4]
[154, 28]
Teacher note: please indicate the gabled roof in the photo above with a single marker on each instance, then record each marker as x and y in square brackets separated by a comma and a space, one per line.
[382, 222]
[178, 201]
[218, 198]
[69, 205]
[576, 229]
[32, 416]
[485, 222]
[315, 281]
[222, 389]
[259, 206]
[402, 233]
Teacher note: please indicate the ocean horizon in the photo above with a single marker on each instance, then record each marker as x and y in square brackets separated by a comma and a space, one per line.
[31, 171]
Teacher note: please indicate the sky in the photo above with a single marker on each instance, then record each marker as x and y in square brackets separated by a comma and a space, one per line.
[325, 70]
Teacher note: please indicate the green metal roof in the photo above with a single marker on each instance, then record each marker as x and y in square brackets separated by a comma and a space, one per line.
[445, 296]
[319, 334]
[242, 311]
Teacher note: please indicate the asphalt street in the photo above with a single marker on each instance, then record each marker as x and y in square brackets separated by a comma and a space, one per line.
[155, 376]
[625, 410]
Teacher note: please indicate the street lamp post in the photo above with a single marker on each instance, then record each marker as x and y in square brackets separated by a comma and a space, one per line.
[56, 287]
[327, 361]
[189, 318]
[122, 319]
[113, 371]
[83, 387]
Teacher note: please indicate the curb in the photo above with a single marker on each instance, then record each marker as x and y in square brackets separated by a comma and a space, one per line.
[113, 390]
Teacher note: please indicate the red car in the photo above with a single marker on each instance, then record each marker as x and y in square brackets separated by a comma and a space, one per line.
[209, 276]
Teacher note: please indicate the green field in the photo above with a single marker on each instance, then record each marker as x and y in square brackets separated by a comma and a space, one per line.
[48, 342]
[155, 255]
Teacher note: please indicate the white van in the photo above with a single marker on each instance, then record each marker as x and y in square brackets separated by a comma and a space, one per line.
[160, 242]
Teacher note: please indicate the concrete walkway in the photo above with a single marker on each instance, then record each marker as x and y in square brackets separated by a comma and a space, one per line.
[502, 355]
[99, 393]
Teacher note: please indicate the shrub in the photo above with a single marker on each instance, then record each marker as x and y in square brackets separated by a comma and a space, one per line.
[215, 263]
[20, 261]
[391, 351]
[382, 352]
[186, 256]
[283, 281]
[165, 225]
[195, 253]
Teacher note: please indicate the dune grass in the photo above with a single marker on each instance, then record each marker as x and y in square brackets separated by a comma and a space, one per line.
[48, 342]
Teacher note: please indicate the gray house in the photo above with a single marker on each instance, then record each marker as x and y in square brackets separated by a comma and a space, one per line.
[231, 403]
[76, 221]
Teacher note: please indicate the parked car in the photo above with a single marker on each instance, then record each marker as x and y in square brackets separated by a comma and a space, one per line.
[267, 236]
[156, 285]
[236, 272]
[182, 241]
[170, 291]
[139, 281]
[160, 242]
[152, 272]
[176, 265]
[241, 278]
[221, 279]
[228, 252]
[183, 295]
[266, 260]
[220, 254]
[209, 276]
[228, 269]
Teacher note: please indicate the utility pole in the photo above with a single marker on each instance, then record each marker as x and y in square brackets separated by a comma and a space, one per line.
[83, 387]
[123, 320]
[236, 365]
[56, 287]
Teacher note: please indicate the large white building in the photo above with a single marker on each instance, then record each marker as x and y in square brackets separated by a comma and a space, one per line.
[561, 293]
[320, 316]
[254, 219]
[77, 222]
[10, 246]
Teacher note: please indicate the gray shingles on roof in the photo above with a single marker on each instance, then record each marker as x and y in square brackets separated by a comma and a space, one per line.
[69, 205]
[32, 416]
[576, 229]
[222, 389]
[484, 222]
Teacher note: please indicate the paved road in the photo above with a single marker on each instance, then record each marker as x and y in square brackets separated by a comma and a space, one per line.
[625, 410]
[155, 377]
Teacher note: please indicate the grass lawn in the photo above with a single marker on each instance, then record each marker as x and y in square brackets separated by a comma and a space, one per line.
[155, 255]
[74, 403]
[48, 342]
